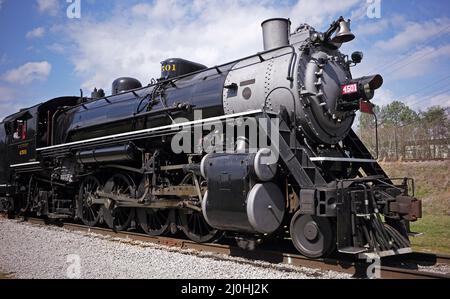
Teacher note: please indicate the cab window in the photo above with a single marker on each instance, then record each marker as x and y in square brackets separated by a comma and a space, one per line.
[20, 130]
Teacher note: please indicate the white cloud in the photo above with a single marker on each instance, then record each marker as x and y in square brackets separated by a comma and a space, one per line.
[1, 3]
[50, 7]
[442, 100]
[8, 109]
[36, 33]
[428, 99]
[419, 63]
[134, 40]
[383, 96]
[144, 36]
[318, 13]
[412, 53]
[371, 28]
[57, 48]
[415, 33]
[28, 73]
[8, 102]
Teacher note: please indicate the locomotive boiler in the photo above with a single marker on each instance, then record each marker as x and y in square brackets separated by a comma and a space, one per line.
[255, 149]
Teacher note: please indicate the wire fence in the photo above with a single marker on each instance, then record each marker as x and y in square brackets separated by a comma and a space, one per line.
[417, 141]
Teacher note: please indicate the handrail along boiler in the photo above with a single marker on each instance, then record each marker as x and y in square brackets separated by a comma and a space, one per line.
[110, 159]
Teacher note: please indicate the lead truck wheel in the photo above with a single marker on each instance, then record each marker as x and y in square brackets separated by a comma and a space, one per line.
[312, 236]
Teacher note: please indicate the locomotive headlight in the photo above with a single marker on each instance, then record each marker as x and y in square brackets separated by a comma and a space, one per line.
[359, 89]
[362, 88]
[370, 84]
[368, 92]
[374, 81]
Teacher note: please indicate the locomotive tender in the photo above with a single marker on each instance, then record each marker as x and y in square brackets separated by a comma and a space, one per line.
[111, 159]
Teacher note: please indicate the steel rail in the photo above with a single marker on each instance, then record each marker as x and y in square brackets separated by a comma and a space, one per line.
[425, 258]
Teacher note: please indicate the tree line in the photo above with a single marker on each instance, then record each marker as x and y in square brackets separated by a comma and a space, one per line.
[406, 134]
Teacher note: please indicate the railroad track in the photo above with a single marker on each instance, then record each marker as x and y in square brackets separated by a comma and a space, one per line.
[391, 268]
[423, 258]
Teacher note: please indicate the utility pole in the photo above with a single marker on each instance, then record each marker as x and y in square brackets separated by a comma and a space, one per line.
[396, 143]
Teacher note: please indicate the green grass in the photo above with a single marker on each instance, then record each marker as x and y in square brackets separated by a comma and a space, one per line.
[436, 234]
[433, 188]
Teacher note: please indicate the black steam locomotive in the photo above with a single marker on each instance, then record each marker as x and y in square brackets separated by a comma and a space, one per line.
[255, 149]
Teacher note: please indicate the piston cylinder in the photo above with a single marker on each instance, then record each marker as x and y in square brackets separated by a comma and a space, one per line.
[120, 153]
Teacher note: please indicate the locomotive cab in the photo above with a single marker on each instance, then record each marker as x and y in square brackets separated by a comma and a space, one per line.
[3, 159]
[17, 148]
[32, 128]
[21, 137]
[48, 113]
[5, 202]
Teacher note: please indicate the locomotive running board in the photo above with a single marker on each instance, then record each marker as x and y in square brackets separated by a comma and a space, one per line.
[25, 164]
[360, 150]
[338, 159]
[144, 133]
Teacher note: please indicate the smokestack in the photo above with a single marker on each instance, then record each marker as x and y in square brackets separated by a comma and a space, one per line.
[276, 33]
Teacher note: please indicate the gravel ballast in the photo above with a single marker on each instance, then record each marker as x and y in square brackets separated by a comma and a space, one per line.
[30, 251]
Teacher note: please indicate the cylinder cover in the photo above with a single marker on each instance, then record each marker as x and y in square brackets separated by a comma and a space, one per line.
[265, 207]
[234, 202]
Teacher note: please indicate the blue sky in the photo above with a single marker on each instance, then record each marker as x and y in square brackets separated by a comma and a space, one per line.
[44, 54]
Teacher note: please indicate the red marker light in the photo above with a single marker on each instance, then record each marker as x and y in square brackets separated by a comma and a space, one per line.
[366, 107]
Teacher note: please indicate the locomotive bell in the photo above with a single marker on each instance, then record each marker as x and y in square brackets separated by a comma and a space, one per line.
[344, 34]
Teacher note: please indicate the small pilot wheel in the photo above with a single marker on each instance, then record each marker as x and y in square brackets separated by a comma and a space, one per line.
[313, 236]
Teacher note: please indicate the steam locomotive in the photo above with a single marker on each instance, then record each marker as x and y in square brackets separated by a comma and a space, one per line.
[180, 154]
